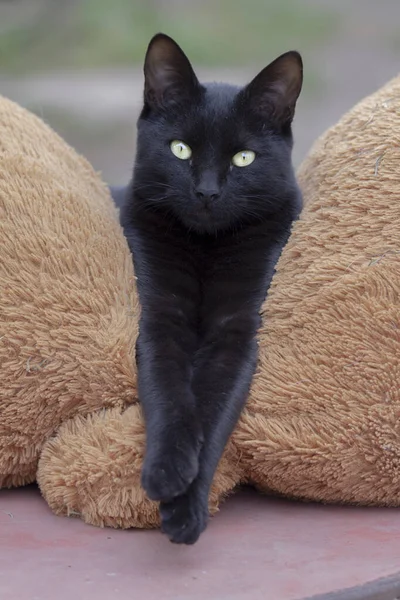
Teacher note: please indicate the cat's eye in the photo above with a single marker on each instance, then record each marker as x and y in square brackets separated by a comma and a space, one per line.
[243, 158]
[180, 150]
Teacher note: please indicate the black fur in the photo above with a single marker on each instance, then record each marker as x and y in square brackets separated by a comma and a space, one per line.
[205, 236]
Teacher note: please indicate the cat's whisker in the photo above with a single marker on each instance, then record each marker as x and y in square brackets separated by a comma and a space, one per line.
[256, 197]
[152, 185]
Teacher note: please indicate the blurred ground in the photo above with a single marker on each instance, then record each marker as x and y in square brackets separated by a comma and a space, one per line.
[73, 67]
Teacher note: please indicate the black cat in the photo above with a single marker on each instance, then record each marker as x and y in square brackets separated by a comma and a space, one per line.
[209, 209]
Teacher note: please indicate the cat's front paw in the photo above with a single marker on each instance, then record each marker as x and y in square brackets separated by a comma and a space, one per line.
[169, 472]
[185, 518]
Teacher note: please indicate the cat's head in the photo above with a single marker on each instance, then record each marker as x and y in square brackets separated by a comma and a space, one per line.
[215, 155]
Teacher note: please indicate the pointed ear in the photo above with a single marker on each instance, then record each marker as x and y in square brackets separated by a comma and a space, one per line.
[168, 74]
[274, 91]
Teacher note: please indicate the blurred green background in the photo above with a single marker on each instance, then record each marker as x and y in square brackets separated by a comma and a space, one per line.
[78, 63]
[97, 33]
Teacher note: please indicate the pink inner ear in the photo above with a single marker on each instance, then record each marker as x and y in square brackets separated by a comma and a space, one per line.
[286, 92]
[281, 80]
[287, 81]
[164, 76]
[280, 87]
[166, 67]
[158, 78]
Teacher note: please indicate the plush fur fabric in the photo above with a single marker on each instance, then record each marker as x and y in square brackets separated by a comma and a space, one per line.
[322, 421]
[68, 313]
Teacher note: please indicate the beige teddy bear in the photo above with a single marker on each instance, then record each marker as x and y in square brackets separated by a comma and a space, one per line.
[322, 419]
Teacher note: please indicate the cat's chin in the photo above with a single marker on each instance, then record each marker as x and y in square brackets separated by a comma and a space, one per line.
[205, 222]
[205, 226]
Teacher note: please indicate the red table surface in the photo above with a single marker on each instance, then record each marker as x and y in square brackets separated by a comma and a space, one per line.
[255, 548]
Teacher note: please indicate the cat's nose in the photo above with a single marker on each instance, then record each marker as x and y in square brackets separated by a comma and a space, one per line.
[207, 194]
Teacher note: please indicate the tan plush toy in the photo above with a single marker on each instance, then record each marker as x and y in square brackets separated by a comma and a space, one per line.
[322, 420]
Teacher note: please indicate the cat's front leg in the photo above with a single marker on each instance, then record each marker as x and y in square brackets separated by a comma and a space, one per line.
[174, 434]
[184, 518]
[224, 369]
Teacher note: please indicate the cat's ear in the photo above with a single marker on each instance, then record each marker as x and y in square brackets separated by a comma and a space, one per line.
[274, 91]
[168, 74]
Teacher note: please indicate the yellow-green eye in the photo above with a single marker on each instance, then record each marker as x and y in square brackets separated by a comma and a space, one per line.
[180, 150]
[243, 158]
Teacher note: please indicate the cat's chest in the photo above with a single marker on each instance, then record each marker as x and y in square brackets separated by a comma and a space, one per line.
[236, 255]
[233, 261]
